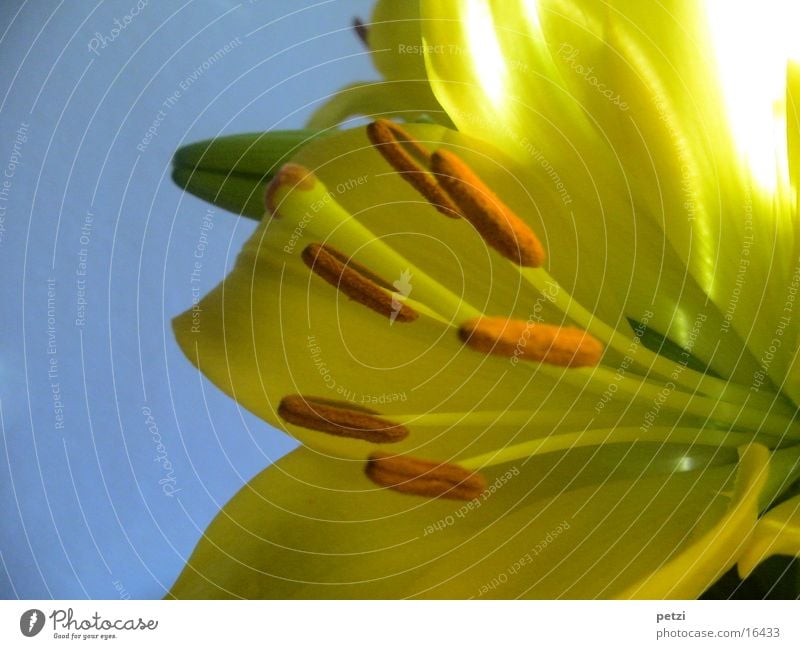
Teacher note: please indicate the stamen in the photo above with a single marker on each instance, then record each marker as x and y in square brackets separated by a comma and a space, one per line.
[408, 156]
[564, 346]
[494, 220]
[340, 418]
[357, 282]
[424, 477]
[334, 225]
[652, 363]
[690, 437]
[290, 176]
[553, 422]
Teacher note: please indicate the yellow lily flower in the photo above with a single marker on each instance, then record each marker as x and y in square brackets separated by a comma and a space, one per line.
[549, 354]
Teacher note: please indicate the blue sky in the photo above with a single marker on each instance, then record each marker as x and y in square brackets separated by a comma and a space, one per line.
[116, 453]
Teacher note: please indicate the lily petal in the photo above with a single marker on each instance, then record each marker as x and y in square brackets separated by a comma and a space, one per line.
[407, 99]
[565, 525]
[716, 551]
[647, 134]
[395, 39]
[777, 532]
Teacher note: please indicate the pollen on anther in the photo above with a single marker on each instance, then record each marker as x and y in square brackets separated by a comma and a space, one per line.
[499, 226]
[424, 477]
[407, 156]
[357, 282]
[563, 346]
[289, 176]
[340, 418]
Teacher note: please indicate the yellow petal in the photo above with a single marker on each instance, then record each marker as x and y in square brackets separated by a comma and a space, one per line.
[395, 38]
[777, 532]
[403, 98]
[578, 524]
[793, 122]
[713, 553]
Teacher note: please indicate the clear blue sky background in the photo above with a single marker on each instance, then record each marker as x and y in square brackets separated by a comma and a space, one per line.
[83, 503]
